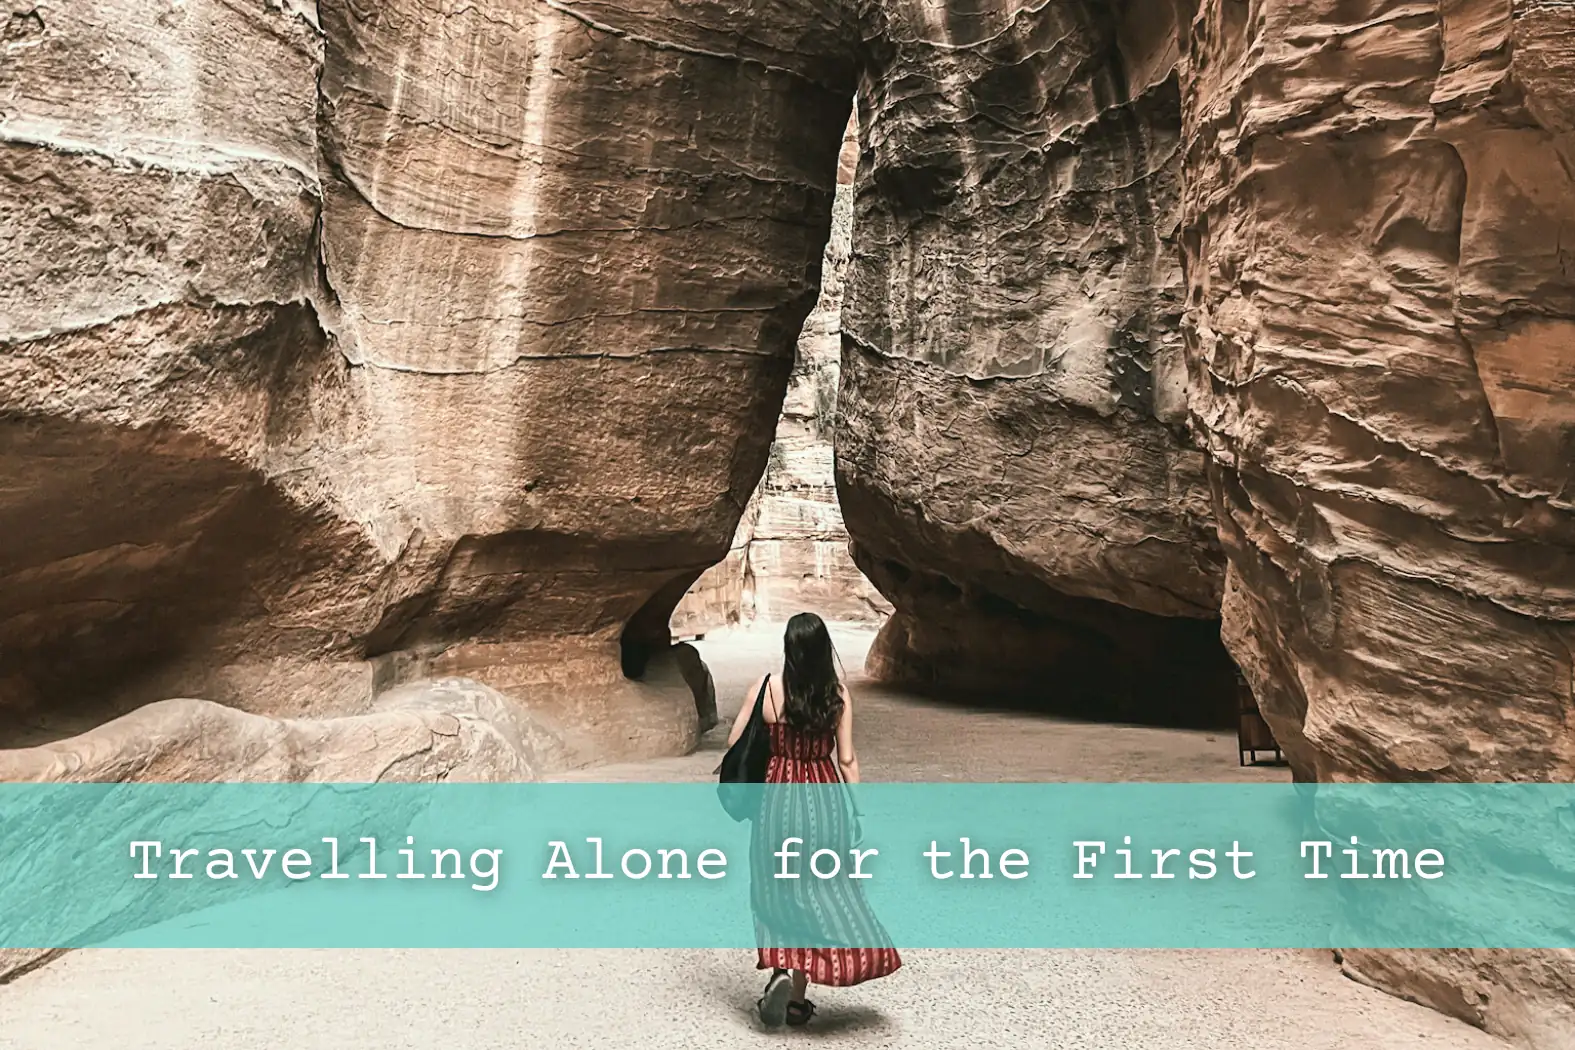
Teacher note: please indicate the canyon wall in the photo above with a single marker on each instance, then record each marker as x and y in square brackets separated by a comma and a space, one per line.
[344, 351]
[1377, 230]
[1013, 459]
[344, 345]
[791, 552]
[1360, 373]
[1381, 327]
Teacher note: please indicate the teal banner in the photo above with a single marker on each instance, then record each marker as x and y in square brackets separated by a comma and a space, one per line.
[663, 866]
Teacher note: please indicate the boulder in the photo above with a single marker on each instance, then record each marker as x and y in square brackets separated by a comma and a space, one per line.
[451, 730]
[334, 338]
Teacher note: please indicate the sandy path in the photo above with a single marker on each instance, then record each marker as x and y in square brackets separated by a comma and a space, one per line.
[491, 1000]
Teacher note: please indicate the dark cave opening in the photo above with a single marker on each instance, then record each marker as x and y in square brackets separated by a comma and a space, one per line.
[1072, 657]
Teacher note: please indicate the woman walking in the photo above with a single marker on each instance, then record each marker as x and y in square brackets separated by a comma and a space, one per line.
[809, 715]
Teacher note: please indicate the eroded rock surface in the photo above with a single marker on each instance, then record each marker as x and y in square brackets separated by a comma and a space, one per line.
[791, 551]
[1382, 320]
[159, 353]
[343, 347]
[1012, 457]
[449, 730]
[1381, 329]
[332, 339]
[799, 557]
[1527, 996]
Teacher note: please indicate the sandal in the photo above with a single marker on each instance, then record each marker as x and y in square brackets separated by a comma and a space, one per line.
[773, 1005]
[799, 1013]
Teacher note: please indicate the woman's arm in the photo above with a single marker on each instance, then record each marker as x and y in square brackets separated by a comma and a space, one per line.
[744, 712]
[847, 758]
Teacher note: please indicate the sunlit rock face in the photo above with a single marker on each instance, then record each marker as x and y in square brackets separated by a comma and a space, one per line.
[1013, 458]
[338, 340]
[799, 557]
[1381, 329]
[162, 365]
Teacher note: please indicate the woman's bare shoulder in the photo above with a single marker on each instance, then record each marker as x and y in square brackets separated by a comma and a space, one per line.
[771, 703]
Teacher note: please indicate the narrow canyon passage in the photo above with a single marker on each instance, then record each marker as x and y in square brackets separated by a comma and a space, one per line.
[503, 1000]
[352, 351]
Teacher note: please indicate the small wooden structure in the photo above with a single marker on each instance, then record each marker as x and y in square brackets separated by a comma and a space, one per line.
[1252, 732]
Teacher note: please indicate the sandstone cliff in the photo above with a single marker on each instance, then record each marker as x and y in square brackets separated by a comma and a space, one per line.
[1012, 457]
[341, 339]
[1381, 326]
[791, 551]
[345, 348]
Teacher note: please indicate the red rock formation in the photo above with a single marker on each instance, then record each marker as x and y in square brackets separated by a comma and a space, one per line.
[161, 359]
[1381, 326]
[1012, 460]
[440, 333]
[344, 346]
[791, 551]
[1381, 315]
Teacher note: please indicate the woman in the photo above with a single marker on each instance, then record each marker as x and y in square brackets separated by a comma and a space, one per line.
[809, 714]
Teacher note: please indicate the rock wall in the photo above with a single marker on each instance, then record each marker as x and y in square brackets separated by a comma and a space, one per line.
[1381, 330]
[1381, 318]
[334, 337]
[157, 266]
[791, 551]
[1012, 454]
[345, 348]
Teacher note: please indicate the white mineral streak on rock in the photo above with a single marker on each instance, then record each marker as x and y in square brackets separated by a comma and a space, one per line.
[341, 342]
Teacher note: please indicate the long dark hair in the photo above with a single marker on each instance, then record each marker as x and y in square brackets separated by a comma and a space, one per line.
[812, 701]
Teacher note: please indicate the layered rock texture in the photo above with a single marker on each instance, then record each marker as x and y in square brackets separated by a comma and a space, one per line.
[1381, 294]
[336, 341]
[1012, 458]
[347, 352]
[791, 551]
[1377, 227]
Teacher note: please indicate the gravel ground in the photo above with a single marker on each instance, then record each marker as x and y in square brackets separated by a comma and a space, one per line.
[492, 1000]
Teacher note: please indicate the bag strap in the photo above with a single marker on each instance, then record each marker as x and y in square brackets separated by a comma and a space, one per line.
[760, 701]
[756, 718]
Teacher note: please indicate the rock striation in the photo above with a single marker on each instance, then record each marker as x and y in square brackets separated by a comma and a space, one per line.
[1381, 338]
[791, 551]
[799, 556]
[337, 340]
[1380, 317]
[1012, 456]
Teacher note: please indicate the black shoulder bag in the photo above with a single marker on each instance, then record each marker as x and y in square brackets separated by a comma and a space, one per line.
[743, 768]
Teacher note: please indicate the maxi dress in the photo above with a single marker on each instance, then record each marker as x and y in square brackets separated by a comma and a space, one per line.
[853, 947]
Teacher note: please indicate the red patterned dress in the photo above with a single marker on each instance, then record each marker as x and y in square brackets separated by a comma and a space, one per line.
[835, 909]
